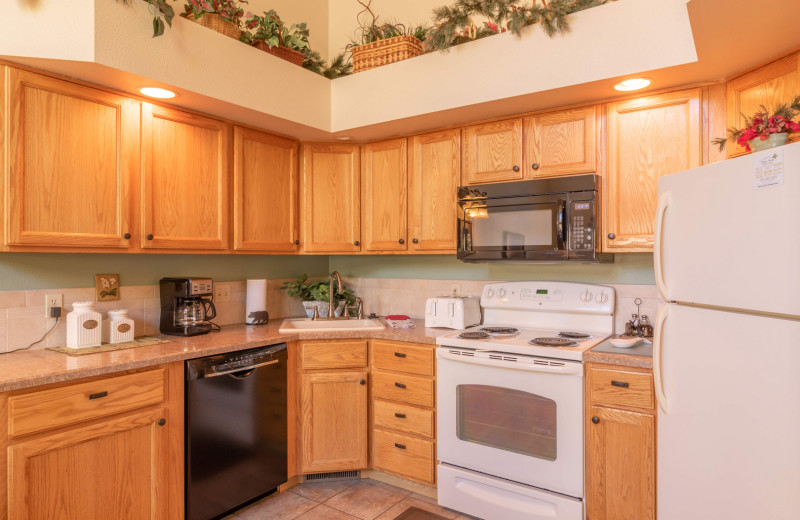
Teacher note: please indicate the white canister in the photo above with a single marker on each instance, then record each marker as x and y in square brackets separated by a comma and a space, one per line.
[83, 326]
[118, 327]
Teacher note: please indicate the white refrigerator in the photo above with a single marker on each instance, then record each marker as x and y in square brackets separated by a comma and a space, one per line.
[726, 356]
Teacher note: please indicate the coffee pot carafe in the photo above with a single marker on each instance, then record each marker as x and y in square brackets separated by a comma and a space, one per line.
[186, 306]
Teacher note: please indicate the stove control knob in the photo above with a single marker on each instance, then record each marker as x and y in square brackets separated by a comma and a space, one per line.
[586, 296]
[502, 293]
[490, 293]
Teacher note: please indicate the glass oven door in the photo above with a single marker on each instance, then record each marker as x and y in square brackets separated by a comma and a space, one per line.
[520, 420]
[517, 228]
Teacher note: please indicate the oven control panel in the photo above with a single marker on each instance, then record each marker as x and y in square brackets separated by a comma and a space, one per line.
[581, 225]
[549, 296]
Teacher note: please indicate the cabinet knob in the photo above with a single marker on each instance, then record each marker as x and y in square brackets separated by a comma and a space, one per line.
[415, 240]
[516, 168]
[535, 166]
[126, 236]
[150, 237]
[162, 422]
[297, 242]
[595, 419]
[362, 382]
[355, 243]
[402, 241]
[612, 236]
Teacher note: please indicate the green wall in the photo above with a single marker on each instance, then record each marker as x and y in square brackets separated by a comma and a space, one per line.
[26, 271]
[20, 271]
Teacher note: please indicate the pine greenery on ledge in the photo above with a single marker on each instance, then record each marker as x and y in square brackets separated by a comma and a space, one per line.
[453, 24]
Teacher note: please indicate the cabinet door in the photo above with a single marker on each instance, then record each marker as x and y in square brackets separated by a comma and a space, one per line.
[620, 465]
[185, 192]
[114, 469]
[265, 192]
[647, 138]
[72, 154]
[434, 174]
[560, 143]
[493, 152]
[330, 205]
[384, 183]
[771, 85]
[333, 409]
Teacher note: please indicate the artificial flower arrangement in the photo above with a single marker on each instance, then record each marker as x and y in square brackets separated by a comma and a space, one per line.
[763, 124]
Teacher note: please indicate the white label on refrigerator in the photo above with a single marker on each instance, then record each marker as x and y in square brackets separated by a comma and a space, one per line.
[768, 169]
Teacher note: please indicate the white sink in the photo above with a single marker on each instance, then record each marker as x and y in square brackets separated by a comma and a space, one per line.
[307, 324]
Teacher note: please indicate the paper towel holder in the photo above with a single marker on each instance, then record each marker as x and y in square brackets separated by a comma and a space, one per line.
[258, 318]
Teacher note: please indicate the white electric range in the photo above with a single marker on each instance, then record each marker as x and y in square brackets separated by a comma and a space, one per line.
[510, 401]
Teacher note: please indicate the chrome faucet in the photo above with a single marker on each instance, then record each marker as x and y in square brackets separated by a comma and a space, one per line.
[332, 294]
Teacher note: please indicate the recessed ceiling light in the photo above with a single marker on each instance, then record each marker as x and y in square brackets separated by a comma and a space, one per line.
[155, 92]
[343, 137]
[632, 84]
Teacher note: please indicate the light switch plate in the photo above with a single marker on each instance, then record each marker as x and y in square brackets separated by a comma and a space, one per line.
[222, 292]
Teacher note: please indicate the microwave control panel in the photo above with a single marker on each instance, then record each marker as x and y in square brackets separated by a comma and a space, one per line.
[581, 225]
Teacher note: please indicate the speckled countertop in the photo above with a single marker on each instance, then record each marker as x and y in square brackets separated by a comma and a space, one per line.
[640, 356]
[40, 367]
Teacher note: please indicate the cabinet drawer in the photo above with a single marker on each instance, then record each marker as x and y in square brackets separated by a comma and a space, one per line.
[403, 418]
[325, 355]
[390, 355]
[413, 458]
[56, 407]
[620, 388]
[403, 388]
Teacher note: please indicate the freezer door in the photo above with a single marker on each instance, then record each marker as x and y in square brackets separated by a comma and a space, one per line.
[729, 415]
[722, 242]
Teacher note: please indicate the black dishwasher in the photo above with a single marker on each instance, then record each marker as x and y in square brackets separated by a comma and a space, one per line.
[235, 429]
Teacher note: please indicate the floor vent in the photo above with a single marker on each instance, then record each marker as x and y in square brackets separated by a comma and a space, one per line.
[334, 475]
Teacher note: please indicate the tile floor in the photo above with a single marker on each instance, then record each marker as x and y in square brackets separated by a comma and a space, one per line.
[363, 499]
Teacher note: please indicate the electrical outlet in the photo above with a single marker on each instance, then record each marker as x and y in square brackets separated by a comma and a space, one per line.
[52, 300]
[455, 290]
[222, 292]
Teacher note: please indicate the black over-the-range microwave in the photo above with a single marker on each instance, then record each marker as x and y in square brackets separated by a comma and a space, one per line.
[543, 220]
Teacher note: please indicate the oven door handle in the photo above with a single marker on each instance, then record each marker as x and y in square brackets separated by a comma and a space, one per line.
[562, 231]
[571, 369]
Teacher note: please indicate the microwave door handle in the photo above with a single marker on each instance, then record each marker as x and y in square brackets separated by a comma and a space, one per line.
[562, 231]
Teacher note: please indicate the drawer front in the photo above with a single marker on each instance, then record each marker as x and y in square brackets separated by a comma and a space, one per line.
[413, 458]
[75, 403]
[325, 355]
[391, 355]
[403, 388]
[620, 388]
[403, 418]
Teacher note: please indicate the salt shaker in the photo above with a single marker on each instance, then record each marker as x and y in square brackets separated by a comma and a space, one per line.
[83, 326]
[118, 327]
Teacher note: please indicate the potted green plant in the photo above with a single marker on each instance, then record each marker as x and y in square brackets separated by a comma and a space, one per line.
[223, 16]
[271, 35]
[317, 294]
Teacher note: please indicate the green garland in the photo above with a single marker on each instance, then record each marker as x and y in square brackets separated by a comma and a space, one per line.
[453, 24]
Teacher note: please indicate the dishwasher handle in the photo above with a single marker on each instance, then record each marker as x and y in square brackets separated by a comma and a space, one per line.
[237, 370]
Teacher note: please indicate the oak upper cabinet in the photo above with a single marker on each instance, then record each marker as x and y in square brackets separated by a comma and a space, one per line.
[108, 447]
[560, 143]
[434, 165]
[620, 444]
[265, 192]
[333, 406]
[648, 137]
[384, 196]
[73, 154]
[771, 85]
[185, 180]
[330, 200]
[493, 152]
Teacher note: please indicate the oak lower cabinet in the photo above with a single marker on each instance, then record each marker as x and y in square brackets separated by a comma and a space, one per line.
[333, 406]
[105, 447]
[185, 180]
[492, 152]
[73, 162]
[265, 192]
[404, 410]
[620, 443]
[648, 137]
[384, 195]
[563, 142]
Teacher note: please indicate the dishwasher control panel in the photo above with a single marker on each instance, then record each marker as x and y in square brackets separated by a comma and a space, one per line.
[241, 362]
[233, 362]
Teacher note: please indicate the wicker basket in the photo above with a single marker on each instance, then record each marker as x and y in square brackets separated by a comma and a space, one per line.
[216, 23]
[383, 52]
[284, 53]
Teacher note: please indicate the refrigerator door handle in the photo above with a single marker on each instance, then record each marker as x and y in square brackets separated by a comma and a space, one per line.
[658, 347]
[658, 255]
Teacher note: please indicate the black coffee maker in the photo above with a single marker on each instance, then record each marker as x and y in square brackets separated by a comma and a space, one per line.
[186, 306]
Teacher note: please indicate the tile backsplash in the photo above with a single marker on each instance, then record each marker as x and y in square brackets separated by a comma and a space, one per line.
[22, 318]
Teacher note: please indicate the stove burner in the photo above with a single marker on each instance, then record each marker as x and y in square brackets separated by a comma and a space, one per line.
[501, 331]
[574, 335]
[553, 342]
[474, 335]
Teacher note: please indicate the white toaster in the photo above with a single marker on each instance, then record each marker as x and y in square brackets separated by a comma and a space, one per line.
[452, 312]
